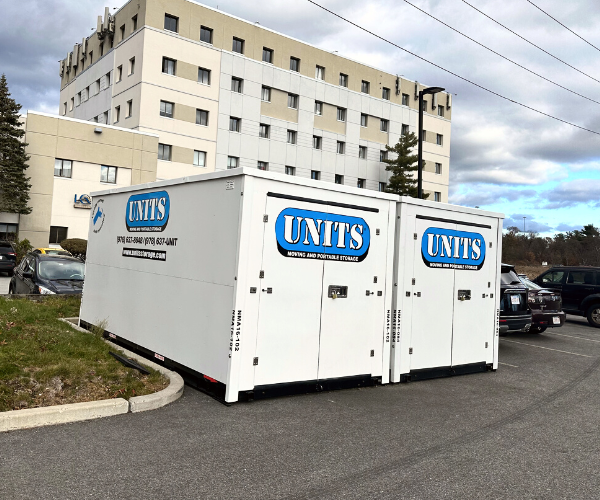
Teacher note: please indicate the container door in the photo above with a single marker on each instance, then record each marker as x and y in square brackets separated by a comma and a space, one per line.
[432, 295]
[290, 299]
[353, 307]
[474, 303]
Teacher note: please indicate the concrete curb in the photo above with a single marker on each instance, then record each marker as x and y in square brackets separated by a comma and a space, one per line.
[75, 412]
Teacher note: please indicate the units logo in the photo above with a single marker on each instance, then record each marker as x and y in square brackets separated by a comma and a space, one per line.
[305, 234]
[451, 249]
[148, 212]
[98, 216]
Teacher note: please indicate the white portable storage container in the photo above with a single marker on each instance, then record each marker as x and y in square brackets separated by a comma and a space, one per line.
[446, 298]
[251, 283]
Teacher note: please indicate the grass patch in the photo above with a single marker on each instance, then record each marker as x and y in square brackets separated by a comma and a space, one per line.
[45, 362]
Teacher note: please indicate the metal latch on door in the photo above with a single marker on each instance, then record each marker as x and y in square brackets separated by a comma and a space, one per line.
[464, 295]
[337, 292]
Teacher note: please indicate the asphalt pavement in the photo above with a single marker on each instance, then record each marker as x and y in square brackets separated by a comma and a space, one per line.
[529, 430]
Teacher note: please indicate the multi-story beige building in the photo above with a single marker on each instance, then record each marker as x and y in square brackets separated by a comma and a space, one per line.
[222, 92]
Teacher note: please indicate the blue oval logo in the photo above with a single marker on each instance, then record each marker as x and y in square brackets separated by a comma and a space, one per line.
[305, 234]
[451, 249]
[148, 212]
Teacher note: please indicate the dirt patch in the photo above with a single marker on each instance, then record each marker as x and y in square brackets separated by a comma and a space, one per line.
[532, 272]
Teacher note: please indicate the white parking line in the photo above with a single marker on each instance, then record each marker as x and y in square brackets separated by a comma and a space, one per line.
[501, 363]
[548, 348]
[573, 337]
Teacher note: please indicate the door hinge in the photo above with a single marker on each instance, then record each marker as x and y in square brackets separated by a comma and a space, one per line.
[414, 281]
[415, 236]
[410, 350]
[255, 362]
[261, 274]
[265, 218]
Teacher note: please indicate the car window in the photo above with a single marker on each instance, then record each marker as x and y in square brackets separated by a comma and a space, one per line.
[581, 278]
[61, 270]
[529, 284]
[509, 278]
[31, 265]
[553, 277]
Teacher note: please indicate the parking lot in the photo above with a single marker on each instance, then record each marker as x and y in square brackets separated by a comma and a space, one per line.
[529, 430]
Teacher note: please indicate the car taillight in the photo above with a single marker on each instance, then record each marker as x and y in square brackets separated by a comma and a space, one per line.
[12, 253]
[532, 298]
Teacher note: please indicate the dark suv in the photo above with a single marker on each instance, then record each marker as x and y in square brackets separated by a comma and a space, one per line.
[515, 315]
[8, 257]
[580, 289]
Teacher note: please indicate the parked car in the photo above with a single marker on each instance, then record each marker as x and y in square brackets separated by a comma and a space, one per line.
[545, 305]
[515, 315]
[53, 251]
[579, 287]
[47, 274]
[8, 257]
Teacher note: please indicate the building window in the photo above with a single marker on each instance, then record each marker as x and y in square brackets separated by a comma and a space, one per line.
[438, 168]
[9, 231]
[341, 147]
[362, 152]
[117, 114]
[318, 108]
[437, 196]
[291, 137]
[64, 108]
[119, 73]
[201, 117]
[105, 117]
[107, 78]
[424, 135]
[132, 65]
[168, 66]
[382, 187]
[91, 57]
[206, 34]
[72, 104]
[292, 101]
[122, 30]
[439, 139]
[363, 120]
[384, 126]
[102, 47]
[234, 124]
[97, 87]
[405, 129]
[320, 73]
[129, 109]
[199, 158]
[343, 80]
[440, 110]
[424, 105]
[266, 94]
[134, 23]
[316, 142]
[364, 87]
[339, 179]
[171, 23]
[263, 165]
[294, 64]
[238, 45]
[164, 152]
[405, 99]
[236, 84]
[166, 109]
[341, 114]
[290, 170]
[385, 93]
[360, 183]
[108, 174]
[315, 175]
[78, 99]
[267, 55]
[263, 131]
[383, 155]
[63, 168]
[232, 161]
[204, 76]
[58, 234]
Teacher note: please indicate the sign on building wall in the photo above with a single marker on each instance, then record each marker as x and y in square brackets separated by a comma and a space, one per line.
[84, 201]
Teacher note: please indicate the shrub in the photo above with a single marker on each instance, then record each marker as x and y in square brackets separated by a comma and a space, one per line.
[21, 247]
[76, 246]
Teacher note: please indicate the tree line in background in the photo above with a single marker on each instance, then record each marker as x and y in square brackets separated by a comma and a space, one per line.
[573, 248]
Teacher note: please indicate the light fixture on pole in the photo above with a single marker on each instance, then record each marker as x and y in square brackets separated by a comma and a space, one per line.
[427, 91]
[524, 223]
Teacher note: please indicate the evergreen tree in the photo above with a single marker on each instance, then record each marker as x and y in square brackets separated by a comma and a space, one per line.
[402, 181]
[14, 185]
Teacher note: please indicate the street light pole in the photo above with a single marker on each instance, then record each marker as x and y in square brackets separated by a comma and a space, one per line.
[427, 91]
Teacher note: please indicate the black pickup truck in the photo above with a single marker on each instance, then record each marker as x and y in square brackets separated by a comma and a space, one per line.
[515, 315]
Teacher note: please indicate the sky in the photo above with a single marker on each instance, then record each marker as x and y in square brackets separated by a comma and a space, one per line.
[503, 158]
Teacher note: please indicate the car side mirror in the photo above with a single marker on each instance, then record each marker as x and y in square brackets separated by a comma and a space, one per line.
[28, 275]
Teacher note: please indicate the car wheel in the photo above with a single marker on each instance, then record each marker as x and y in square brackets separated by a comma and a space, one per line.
[537, 329]
[593, 315]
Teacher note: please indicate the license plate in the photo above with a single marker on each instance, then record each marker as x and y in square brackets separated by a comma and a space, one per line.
[515, 299]
[556, 320]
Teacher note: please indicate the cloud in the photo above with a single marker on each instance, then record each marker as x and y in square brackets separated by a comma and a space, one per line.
[572, 193]
[530, 224]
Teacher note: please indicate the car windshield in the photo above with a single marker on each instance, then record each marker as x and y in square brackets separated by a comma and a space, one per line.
[510, 278]
[530, 284]
[61, 270]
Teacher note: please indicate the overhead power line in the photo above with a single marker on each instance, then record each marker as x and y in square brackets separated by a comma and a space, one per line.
[566, 27]
[530, 42]
[500, 55]
[451, 72]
